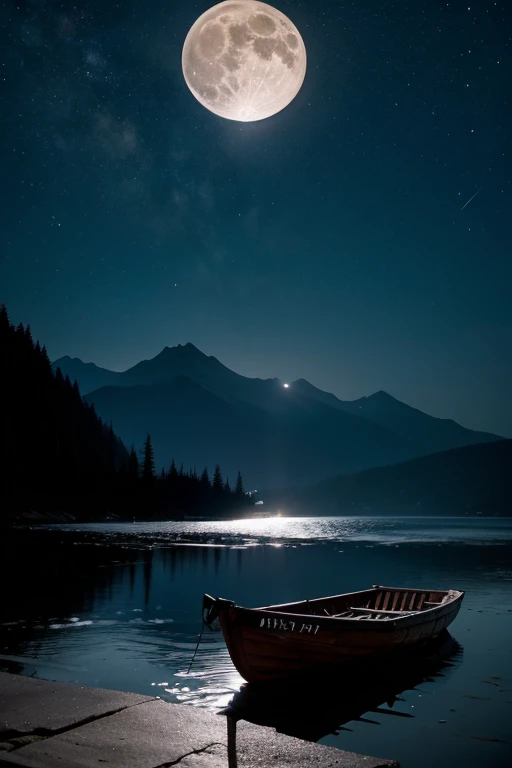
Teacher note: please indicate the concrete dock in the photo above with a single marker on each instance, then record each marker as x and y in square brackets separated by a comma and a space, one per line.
[45, 724]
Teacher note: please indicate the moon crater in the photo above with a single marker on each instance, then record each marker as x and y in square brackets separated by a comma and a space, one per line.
[244, 61]
[213, 41]
[262, 24]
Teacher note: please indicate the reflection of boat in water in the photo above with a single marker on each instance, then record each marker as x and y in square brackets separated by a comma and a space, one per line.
[311, 708]
[281, 640]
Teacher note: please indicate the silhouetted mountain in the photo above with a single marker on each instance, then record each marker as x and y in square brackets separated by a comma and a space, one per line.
[171, 362]
[476, 479]
[181, 360]
[292, 441]
[199, 410]
[427, 434]
[88, 375]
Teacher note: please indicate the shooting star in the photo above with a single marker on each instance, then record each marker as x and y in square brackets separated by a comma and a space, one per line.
[472, 198]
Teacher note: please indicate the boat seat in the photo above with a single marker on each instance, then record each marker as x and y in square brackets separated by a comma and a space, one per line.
[427, 602]
[376, 610]
[363, 615]
[370, 613]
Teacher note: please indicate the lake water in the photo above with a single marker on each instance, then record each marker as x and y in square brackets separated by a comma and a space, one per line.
[119, 606]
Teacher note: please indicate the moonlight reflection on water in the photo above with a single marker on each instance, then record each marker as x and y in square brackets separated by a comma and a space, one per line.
[306, 530]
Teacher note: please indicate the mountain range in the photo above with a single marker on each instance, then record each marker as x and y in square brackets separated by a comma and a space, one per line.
[475, 479]
[200, 412]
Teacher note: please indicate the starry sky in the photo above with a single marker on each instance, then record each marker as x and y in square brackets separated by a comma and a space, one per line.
[329, 241]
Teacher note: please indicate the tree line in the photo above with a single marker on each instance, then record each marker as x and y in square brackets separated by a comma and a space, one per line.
[58, 456]
[185, 492]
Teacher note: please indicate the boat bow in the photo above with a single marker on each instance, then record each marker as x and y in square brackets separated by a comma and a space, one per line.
[213, 607]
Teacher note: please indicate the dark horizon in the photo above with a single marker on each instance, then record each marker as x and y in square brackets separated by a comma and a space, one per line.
[359, 238]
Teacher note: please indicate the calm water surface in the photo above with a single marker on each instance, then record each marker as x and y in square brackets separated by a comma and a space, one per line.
[118, 606]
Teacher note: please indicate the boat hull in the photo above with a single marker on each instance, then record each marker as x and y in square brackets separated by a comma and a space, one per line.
[269, 643]
[343, 693]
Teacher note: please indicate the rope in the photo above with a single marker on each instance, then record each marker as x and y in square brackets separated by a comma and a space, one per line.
[197, 646]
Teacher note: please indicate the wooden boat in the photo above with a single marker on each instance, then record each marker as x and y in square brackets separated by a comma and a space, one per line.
[280, 640]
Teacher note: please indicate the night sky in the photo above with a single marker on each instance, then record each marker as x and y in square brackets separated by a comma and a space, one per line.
[328, 242]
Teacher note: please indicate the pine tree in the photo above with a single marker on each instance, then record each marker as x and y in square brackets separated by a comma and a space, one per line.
[59, 378]
[227, 487]
[76, 392]
[46, 359]
[4, 320]
[148, 466]
[205, 480]
[217, 481]
[133, 466]
[239, 489]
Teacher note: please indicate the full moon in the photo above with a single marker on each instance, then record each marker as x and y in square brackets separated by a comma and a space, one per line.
[244, 60]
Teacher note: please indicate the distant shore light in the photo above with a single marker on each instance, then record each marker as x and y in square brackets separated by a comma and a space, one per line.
[286, 386]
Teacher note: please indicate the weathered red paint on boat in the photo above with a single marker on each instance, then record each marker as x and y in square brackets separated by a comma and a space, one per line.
[279, 640]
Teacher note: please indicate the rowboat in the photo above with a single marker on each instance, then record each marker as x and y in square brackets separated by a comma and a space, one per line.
[283, 640]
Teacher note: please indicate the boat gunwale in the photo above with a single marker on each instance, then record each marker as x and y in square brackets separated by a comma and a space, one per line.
[394, 618]
[452, 594]
[315, 599]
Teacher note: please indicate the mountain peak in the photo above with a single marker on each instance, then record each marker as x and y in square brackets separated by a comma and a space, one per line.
[188, 347]
[68, 359]
[381, 395]
[73, 362]
[180, 350]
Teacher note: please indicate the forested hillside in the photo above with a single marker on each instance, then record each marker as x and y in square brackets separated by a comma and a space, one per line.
[53, 445]
[58, 458]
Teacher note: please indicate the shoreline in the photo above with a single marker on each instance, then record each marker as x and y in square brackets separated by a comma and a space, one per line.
[44, 724]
